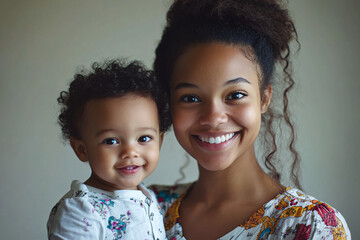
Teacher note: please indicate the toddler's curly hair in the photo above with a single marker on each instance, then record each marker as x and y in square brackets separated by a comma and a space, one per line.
[113, 78]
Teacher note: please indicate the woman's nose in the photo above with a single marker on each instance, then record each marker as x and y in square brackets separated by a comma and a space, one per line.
[128, 151]
[213, 114]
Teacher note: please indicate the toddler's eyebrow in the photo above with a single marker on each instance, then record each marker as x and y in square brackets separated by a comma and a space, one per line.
[148, 128]
[116, 130]
[104, 131]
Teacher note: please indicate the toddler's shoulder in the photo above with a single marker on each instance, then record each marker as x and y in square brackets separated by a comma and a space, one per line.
[72, 213]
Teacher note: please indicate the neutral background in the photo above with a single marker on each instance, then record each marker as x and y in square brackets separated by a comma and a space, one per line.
[43, 42]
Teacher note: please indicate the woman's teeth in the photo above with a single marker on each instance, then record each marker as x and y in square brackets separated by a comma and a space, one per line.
[218, 139]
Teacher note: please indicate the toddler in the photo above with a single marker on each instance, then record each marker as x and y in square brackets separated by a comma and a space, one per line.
[114, 118]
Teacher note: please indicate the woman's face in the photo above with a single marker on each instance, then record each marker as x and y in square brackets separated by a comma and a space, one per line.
[216, 104]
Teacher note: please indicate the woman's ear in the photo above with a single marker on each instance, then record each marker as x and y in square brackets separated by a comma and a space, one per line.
[79, 148]
[266, 98]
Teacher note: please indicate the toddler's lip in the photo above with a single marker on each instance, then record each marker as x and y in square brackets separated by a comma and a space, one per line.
[129, 169]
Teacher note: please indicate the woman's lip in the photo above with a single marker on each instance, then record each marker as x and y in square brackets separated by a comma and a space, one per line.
[213, 134]
[216, 139]
[215, 145]
[131, 169]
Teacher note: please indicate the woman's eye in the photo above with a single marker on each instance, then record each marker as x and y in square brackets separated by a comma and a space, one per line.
[236, 95]
[144, 139]
[111, 141]
[189, 99]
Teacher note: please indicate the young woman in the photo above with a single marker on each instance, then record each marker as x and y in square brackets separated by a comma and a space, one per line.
[218, 61]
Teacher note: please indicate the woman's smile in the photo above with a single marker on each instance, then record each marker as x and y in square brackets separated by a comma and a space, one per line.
[215, 142]
[218, 139]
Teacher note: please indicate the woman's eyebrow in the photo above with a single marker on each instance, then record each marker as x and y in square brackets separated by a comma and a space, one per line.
[185, 85]
[230, 82]
[237, 80]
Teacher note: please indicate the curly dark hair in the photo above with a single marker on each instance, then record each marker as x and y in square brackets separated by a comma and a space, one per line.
[263, 27]
[113, 78]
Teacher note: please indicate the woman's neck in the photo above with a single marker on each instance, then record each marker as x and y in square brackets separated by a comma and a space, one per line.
[244, 181]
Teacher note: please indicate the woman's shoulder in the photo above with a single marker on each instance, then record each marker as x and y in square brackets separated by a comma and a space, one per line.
[294, 199]
[305, 214]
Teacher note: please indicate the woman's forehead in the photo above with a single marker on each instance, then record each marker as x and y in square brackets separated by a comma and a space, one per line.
[215, 63]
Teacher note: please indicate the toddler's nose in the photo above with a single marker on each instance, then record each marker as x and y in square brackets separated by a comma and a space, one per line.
[128, 151]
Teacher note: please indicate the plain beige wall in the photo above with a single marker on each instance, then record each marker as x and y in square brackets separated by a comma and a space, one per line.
[43, 42]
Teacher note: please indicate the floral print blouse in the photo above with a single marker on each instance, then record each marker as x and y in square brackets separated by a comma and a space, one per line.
[90, 213]
[290, 215]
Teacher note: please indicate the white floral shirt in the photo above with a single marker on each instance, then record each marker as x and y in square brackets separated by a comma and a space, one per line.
[90, 213]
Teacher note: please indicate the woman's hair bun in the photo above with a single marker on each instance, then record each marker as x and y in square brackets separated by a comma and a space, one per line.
[269, 18]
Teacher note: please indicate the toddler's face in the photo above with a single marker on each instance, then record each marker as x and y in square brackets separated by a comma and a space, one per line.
[120, 139]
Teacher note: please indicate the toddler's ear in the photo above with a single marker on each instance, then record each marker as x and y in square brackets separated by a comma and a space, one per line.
[79, 148]
[161, 138]
[266, 99]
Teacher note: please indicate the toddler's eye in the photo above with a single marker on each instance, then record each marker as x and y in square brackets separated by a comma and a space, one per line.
[190, 98]
[111, 141]
[144, 139]
[236, 95]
